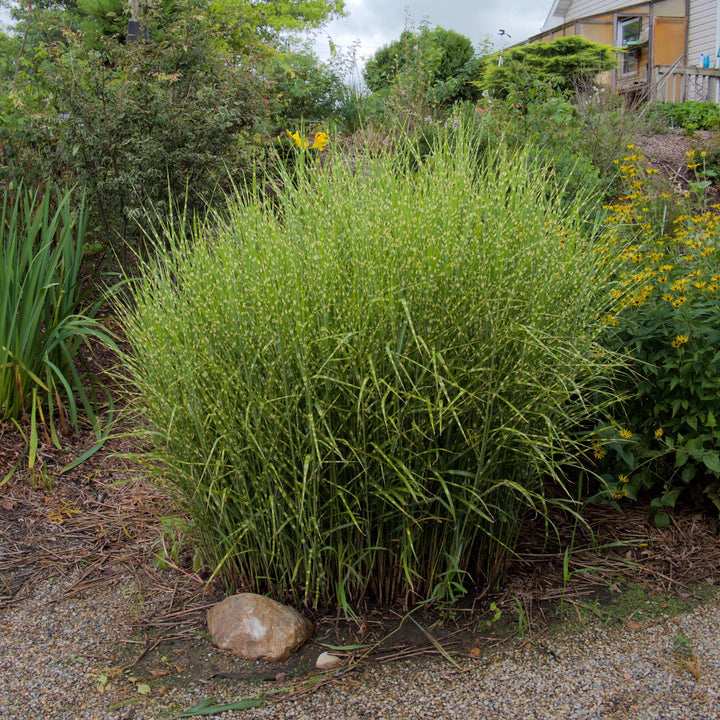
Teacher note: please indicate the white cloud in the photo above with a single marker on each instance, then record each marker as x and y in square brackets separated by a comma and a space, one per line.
[374, 23]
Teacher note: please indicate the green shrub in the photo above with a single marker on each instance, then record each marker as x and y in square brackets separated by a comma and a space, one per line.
[433, 64]
[43, 315]
[363, 391]
[567, 64]
[558, 136]
[133, 123]
[667, 316]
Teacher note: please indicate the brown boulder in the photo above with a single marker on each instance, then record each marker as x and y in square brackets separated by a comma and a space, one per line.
[257, 627]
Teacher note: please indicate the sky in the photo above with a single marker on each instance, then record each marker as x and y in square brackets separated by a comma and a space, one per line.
[374, 23]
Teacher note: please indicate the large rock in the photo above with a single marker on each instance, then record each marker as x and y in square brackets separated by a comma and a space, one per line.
[257, 627]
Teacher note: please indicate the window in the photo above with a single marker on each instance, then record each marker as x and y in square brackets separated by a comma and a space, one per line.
[629, 30]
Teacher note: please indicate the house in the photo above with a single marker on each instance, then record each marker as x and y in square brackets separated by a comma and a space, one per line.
[670, 48]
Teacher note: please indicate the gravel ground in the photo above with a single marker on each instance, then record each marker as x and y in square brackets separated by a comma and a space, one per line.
[53, 652]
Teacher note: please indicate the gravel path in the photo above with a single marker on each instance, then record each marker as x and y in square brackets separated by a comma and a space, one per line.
[55, 655]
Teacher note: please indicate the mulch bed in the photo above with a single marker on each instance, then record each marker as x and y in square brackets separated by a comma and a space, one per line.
[102, 520]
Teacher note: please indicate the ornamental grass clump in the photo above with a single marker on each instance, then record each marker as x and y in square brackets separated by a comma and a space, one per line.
[362, 390]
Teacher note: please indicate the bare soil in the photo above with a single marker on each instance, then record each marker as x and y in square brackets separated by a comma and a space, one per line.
[668, 152]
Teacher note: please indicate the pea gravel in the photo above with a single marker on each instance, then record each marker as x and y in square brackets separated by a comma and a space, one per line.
[55, 654]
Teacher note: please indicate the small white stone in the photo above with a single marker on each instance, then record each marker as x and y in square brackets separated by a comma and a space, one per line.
[326, 661]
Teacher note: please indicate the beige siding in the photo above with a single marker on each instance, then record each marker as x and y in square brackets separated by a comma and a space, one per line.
[701, 32]
[585, 8]
[670, 8]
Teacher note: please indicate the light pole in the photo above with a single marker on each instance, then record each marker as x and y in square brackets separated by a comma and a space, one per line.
[502, 35]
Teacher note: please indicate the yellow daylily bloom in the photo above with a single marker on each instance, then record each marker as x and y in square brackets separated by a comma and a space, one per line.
[321, 140]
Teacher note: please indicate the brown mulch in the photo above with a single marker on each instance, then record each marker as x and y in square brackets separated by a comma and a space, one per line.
[667, 152]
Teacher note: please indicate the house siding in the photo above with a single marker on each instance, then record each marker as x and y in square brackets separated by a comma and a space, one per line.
[701, 31]
[680, 31]
[584, 8]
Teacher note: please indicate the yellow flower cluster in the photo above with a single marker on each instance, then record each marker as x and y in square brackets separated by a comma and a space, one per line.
[661, 249]
[320, 140]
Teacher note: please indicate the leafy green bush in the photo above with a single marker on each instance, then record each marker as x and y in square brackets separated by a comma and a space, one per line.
[43, 318]
[667, 316]
[574, 139]
[690, 115]
[567, 64]
[363, 391]
[183, 112]
[133, 123]
[433, 63]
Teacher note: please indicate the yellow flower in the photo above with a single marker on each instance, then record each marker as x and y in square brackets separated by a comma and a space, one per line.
[690, 153]
[659, 433]
[321, 140]
[626, 434]
[623, 478]
[679, 340]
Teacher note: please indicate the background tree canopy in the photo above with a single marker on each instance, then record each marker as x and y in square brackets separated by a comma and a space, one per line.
[443, 61]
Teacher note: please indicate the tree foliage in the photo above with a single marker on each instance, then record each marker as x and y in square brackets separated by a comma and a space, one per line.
[177, 115]
[443, 62]
[304, 90]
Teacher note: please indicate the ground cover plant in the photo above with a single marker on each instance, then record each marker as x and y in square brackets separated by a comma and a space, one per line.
[690, 115]
[667, 316]
[359, 390]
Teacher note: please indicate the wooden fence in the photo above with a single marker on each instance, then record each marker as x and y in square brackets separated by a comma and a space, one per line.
[677, 83]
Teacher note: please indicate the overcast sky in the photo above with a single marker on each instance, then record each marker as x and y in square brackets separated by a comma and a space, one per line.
[375, 23]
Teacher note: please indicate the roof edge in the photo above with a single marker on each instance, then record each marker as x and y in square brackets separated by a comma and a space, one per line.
[559, 9]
